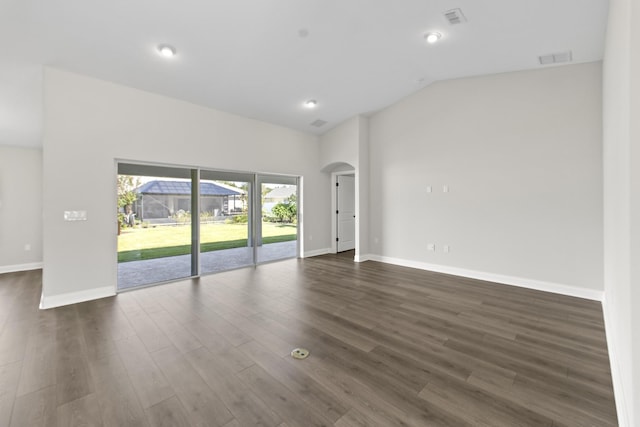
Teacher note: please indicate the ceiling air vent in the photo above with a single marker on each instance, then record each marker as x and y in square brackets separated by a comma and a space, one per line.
[319, 123]
[455, 16]
[555, 58]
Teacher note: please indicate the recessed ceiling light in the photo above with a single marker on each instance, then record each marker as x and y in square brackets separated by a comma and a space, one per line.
[166, 50]
[432, 37]
[312, 103]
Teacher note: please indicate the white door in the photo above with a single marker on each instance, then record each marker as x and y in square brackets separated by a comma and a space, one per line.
[346, 212]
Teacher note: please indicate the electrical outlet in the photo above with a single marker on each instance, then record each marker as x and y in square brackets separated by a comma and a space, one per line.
[75, 215]
[431, 247]
[445, 248]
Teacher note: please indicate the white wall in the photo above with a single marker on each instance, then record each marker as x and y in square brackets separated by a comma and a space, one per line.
[521, 155]
[363, 208]
[634, 368]
[20, 208]
[340, 144]
[621, 152]
[90, 123]
[346, 148]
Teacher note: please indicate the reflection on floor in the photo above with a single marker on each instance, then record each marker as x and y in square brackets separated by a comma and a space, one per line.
[137, 273]
[347, 254]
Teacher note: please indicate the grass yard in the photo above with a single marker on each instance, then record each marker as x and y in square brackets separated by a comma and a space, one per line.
[164, 241]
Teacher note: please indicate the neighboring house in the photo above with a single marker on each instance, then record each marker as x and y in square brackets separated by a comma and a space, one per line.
[161, 199]
[278, 195]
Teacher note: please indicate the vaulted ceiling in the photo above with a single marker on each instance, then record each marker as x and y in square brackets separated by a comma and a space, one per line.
[264, 58]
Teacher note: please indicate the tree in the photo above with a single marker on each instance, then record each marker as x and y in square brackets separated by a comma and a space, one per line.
[126, 196]
[286, 211]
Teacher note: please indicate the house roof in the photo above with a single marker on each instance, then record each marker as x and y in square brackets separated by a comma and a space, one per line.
[281, 192]
[184, 188]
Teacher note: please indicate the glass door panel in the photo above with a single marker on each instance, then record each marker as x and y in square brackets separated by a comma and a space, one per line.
[277, 231]
[154, 225]
[225, 221]
[175, 223]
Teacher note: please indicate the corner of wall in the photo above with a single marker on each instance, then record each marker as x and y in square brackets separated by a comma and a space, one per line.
[616, 371]
[75, 297]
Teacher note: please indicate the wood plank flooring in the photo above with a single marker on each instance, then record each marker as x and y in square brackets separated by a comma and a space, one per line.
[390, 346]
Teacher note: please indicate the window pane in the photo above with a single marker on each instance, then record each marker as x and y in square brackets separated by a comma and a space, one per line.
[154, 232]
[225, 221]
[277, 232]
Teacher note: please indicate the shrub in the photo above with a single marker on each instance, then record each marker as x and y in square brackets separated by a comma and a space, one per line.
[238, 219]
[206, 216]
[182, 217]
[285, 212]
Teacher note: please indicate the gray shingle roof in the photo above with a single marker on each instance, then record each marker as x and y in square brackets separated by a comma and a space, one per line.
[184, 188]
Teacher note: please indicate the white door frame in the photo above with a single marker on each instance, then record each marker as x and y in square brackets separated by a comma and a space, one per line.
[334, 208]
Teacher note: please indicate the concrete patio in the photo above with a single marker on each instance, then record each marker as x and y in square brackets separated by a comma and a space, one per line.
[138, 273]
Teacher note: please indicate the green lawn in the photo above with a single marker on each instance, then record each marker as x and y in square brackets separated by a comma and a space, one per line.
[164, 241]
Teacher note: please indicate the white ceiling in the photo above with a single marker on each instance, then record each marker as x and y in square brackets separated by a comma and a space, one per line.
[248, 56]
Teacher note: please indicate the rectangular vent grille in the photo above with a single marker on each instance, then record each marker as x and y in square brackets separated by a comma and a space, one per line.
[318, 123]
[555, 58]
[455, 16]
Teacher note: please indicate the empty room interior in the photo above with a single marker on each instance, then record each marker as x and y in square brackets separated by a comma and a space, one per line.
[320, 213]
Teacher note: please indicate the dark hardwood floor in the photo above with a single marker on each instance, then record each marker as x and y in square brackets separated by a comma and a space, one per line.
[390, 346]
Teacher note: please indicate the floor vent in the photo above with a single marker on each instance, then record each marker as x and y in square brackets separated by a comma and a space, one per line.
[455, 16]
[556, 58]
[318, 123]
[299, 353]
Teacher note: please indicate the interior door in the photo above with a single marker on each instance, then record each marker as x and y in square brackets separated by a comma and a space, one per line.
[346, 207]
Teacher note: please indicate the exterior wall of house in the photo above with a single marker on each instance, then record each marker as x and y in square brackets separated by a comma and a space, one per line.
[150, 207]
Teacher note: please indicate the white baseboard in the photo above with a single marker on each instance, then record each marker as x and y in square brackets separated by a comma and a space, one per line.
[76, 297]
[316, 252]
[497, 278]
[616, 373]
[20, 267]
[362, 258]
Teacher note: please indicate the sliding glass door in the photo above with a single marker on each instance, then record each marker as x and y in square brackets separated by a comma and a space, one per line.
[155, 227]
[277, 231]
[175, 223]
[226, 213]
